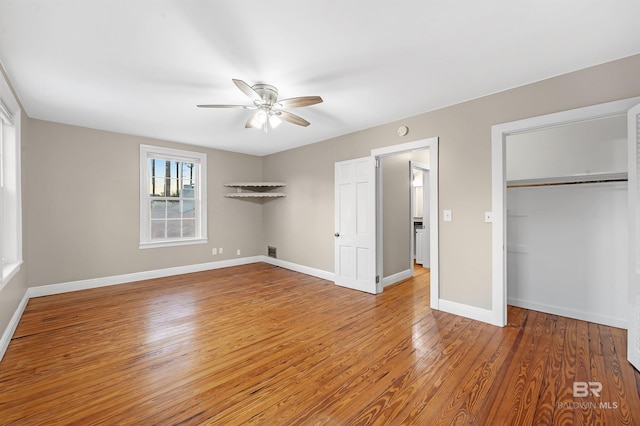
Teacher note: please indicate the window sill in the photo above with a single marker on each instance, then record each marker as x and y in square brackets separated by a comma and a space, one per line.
[159, 244]
[8, 272]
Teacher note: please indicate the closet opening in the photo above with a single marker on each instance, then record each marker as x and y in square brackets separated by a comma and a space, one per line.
[567, 220]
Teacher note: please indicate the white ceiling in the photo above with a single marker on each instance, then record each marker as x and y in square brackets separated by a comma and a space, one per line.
[140, 66]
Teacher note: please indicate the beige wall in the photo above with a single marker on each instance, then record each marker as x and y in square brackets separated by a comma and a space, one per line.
[82, 206]
[80, 191]
[396, 199]
[302, 225]
[396, 214]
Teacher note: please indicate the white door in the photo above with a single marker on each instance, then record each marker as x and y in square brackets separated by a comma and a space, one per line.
[355, 225]
[633, 333]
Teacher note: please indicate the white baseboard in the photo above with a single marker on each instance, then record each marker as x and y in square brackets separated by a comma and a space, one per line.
[47, 290]
[392, 279]
[329, 276]
[51, 289]
[13, 324]
[570, 313]
[472, 312]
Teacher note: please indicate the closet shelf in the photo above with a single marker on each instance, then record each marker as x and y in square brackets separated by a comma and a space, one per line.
[568, 180]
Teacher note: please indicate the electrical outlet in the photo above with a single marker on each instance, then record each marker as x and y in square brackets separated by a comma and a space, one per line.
[238, 252]
[220, 250]
[214, 251]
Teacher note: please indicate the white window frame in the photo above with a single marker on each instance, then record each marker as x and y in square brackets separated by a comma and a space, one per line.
[199, 158]
[10, 185]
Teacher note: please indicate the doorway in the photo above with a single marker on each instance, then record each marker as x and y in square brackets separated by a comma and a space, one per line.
[386, 153]
[401, 214]
[499, 187]
[419, 217]
[567, 224]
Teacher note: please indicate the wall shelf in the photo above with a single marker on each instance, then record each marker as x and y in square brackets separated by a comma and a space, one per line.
[255, 189]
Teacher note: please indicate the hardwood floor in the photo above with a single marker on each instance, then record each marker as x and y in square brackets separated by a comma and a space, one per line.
[257, 344]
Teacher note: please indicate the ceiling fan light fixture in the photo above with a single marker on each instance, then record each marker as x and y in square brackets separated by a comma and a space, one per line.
[269, 112]
[274, 121]
[260, 117]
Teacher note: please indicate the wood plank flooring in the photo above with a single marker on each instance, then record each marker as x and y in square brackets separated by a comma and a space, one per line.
[258, 344]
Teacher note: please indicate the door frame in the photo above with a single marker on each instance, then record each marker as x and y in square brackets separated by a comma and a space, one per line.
[499, 133]
[432, 145]
[633, 153]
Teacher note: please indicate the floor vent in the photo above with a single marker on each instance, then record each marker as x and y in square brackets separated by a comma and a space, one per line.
[272, 252]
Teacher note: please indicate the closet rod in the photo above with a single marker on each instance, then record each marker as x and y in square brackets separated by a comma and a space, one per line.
[527, 185]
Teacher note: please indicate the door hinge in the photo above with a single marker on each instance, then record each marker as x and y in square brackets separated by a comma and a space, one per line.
[377, 279]
[377, 163]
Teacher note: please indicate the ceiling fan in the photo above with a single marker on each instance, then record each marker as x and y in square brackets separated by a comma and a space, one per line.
[269, 110]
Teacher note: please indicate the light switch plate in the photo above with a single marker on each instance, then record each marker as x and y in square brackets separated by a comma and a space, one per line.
[488, 217]
[447, 216]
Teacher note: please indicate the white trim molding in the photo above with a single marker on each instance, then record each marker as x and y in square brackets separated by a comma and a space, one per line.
[198, 200]
[396, 278]
[467, 311]
[571, 313]
[51, 289]
[11, 190]
[13, 324]
[318, 273]
[434, 239]
[499, 133]
[403, 147]
[48, 290]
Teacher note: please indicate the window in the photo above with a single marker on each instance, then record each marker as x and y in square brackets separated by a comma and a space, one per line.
[173, 205]
[10, 195]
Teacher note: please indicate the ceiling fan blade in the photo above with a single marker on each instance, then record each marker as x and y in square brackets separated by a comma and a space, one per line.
[248, 90]
[301, 101]
[292, 118]
[221, 106]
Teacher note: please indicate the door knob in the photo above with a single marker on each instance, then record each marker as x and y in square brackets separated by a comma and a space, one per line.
[337, 234]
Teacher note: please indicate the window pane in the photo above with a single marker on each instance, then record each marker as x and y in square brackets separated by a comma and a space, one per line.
[188, 209]
[174, 190]
[156, 167]
[188, 173]
[157, 229]
[173, 228]
[174, 169]
[173, 209]
[189, 228]
[157, 187]
[158, 209]
[188, 191]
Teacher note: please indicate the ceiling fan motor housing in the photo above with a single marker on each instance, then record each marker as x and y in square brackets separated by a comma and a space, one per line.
[267, 92]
